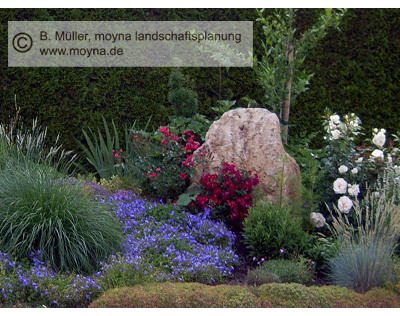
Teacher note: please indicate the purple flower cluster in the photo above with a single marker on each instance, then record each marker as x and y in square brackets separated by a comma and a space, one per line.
[179, 246]
[171, 245]
[41, 282]
[20, 280]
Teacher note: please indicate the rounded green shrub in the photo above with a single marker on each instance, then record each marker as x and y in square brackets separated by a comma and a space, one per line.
[41, 210]
[170, 295]
[269, 230]
[299, 296]
[258, 277]
[184, 100]
[282, 271]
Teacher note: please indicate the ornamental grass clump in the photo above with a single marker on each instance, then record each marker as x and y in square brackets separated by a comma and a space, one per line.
[368, 242]
[42, 210]
[24, 144]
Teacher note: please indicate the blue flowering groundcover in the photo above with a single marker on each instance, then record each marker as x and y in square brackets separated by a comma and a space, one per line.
[162, 243]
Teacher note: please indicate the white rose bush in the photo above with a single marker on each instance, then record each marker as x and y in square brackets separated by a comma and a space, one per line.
[349, 169]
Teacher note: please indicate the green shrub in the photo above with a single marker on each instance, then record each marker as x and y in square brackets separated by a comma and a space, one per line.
[184, 100]
[41, 210]
[4, 153]
[300, 296]
[170, 295]
[268, 229]
[288, 271]
[162, 162]
[258, 277]
[198, 123]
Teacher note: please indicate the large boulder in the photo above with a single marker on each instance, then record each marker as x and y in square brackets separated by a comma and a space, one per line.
[250, 139]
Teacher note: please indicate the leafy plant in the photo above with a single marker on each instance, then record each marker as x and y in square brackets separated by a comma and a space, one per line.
[183, 99]
[258, 277]
[280, 70]
[102, 153]
[198, 123]
[269, 230]
[42, 210]
[163, 163]
[287, 271]
[223, 106]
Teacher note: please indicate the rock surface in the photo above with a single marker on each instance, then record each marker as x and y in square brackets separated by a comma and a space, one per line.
[250, 139]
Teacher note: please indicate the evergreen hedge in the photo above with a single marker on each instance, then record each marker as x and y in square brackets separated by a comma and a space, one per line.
[355, 70]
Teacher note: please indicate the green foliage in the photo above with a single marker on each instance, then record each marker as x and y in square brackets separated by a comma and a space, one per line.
[274, 69]
[309, 161]
[268, 228]
[191, 295]
[104, 154]
[362, 265]
[26, 144]
[223, 106]
[160, 163]
[258, 277]
[41, 210]
[173, 295]
[288, 271]
[184, 100]
[300, 296]
[364, 259]
[354, 68]
[198, 123]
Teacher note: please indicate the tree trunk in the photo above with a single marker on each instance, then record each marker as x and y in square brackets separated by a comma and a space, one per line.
[286, 104]
[220, 83]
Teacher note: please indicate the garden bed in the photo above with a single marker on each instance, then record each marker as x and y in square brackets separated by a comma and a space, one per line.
[147, 231]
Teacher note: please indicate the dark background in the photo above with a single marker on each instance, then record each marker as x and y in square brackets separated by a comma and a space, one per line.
[356, 70]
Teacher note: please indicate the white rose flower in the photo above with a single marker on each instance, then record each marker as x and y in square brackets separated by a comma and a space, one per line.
[345, 204]
[340, 186]
[379, 139]
[335, 134]
[354, 123]
[335, 119]
[318, 219]
[389, 159]
[360, 160]
[383, 131]
[332, 125]
[353, 190]
[377, 153]
[375, 130]
[354, 171]
[343, 169]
